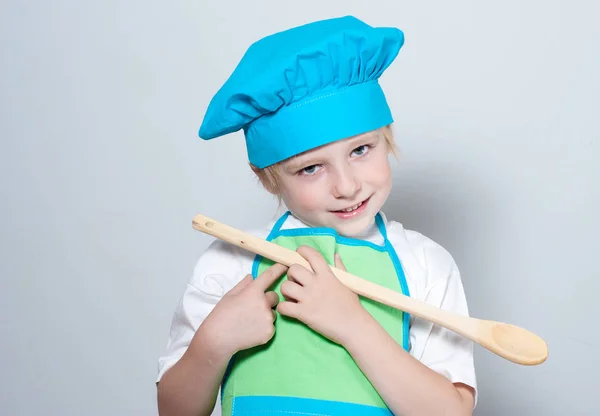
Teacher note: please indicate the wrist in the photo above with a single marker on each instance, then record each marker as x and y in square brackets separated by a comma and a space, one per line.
[359, 329]
[209, 343]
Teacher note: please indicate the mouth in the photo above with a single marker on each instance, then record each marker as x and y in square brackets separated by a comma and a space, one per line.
[353, 210]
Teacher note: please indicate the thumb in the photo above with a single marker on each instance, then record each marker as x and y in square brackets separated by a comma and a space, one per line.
[338, 262]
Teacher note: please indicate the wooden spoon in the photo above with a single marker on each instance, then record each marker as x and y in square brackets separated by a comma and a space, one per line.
[508, 341]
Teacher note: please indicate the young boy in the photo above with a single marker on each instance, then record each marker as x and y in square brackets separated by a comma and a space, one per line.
[296, 341]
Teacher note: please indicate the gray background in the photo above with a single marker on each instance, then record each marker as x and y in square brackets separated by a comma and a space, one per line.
[101, 172]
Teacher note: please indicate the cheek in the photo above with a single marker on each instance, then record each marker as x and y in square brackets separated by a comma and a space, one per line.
[302, 196]
[381, 172]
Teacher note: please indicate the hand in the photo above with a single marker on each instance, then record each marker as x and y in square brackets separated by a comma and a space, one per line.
[244, 317]
[319, 299]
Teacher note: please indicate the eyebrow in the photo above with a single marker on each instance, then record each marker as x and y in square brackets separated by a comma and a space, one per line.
[363, 139]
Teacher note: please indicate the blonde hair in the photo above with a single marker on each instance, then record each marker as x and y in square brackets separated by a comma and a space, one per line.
[270, 179]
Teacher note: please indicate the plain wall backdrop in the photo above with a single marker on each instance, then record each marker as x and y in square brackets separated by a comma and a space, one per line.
[101, 172]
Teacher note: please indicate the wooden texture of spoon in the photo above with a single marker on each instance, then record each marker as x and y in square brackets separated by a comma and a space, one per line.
[508, 341]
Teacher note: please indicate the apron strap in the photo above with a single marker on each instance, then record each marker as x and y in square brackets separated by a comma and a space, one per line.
[381, 226]
[278, 225]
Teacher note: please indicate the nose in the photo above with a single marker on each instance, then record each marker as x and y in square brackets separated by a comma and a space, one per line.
[346, 183]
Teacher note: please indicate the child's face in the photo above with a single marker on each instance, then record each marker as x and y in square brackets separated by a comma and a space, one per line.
[341, 185]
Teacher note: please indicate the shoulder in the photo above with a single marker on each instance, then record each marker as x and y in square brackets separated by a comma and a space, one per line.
[423, 256]
[222, 265]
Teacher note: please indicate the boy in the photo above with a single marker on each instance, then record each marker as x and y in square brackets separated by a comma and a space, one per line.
[296, 341]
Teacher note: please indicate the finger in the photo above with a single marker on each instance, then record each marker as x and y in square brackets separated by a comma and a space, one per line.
[272, 299]
[316, 259]
[269, 276]
[290, 309]
[292, 291]
[241, 284]
[338, 262]
[299, 274]
[274, 315]
[291, 278]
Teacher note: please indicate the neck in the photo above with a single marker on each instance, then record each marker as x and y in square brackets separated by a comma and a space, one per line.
[369, 232]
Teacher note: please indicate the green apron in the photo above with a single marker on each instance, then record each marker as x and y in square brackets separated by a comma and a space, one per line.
[300, 372]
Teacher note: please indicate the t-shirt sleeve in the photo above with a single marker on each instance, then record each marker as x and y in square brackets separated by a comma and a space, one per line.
[217, 270]
[444, 351]
[441, 349]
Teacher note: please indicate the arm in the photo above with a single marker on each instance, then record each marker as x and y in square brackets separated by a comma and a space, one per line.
[191, 386]
[220, 313]
[440, 362]
[406, 385]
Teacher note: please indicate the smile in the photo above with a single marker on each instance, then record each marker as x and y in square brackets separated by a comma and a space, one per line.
[353, 210]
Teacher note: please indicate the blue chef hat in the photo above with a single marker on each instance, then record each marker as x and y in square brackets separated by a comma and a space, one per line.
[305, 87]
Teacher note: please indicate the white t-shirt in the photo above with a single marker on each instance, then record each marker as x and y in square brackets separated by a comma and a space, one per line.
[431, 275]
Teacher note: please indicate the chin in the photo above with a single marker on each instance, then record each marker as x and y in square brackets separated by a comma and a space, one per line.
[355, 228]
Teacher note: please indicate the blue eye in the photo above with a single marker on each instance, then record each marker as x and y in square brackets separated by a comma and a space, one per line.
[360, 150]
[309, 170]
